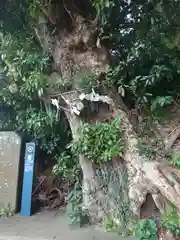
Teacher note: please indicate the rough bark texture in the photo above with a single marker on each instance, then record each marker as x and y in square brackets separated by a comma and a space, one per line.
[147, 176]
[74, 48]
[91, 188]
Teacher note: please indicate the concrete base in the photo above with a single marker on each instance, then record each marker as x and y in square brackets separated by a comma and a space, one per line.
[49, 226]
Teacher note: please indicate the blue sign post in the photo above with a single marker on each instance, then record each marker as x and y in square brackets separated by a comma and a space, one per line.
[26, 202]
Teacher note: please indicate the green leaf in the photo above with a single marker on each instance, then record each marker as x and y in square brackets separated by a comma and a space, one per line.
[161, 102]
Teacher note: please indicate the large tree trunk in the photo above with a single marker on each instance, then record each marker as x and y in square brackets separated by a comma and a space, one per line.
[75, 47]
[147, 176]
[94, 199]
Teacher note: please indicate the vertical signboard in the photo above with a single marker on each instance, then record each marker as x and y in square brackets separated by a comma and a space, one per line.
[26, 202]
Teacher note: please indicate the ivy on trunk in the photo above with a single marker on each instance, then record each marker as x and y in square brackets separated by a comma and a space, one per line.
[126, 51]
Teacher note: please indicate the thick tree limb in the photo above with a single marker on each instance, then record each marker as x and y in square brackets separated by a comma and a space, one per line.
[171, 138]
[145, 176]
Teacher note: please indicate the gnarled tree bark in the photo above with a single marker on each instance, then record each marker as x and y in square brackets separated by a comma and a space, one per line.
[75, 47]
[90, 186]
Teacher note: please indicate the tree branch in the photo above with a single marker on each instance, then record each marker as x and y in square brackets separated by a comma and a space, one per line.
[171, 138]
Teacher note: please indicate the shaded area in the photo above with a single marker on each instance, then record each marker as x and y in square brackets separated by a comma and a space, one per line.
[50, 225]
[149, 209]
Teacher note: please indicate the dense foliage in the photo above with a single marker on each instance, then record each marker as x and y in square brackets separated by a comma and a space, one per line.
[146, 229]
[171, 221]
[26, 68]
[144, 37]
[100, 142]
[67, 166]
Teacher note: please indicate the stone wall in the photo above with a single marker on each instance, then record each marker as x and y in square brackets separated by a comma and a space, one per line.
[10, 151]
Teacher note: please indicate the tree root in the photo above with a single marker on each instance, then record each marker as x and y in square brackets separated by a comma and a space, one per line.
[137, 193]
[153, 176]
[166, 184]
[145, 176]
[171, 139]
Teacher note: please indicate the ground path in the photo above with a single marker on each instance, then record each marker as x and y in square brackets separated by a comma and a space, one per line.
[49, 226]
